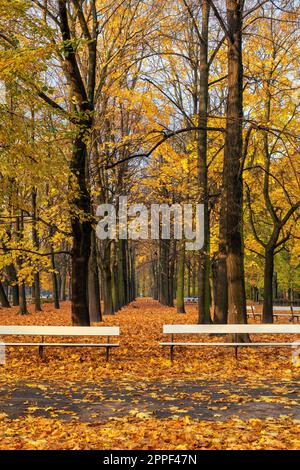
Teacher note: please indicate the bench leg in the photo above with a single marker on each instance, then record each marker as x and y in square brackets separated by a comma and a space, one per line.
[41, 352]
[107, 354]
[172, 353]
[107, 350]
[236, 352]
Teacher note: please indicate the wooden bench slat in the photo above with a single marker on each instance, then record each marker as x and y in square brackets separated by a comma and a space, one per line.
[110, 345]
[232, 329]
[283, 308]
[60, 330]
[227, 344]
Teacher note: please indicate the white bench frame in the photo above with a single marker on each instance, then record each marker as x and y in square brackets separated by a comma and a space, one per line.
[60, 331]
[232, 329]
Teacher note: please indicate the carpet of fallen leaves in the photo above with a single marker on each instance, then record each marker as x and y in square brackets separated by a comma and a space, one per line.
[140, 358]
[147, 434]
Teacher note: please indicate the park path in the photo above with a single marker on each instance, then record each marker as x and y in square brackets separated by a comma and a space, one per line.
[97, 402]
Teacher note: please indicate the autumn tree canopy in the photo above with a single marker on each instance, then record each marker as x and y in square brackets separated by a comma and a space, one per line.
[184, 101]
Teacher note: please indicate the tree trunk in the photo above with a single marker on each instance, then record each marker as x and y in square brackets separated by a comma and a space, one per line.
[37, 292]
[22, 289]
[268, 286]
[188, 287]
[106, 277]
[81, 236]
[131, 250]
[120, 268]
[115, 277]
[180, 279]
[63, 283]
[22, 297]
[107, 293]
[221, 296]
[80, 201]
[155, 278]
[55, 288]
[124, 247]
[93, 285]
[35, 239]
[204, 256]
[3, 297]
[194, 272]
[15, 295]
[13, 283]
[171, 273]
[233, 167]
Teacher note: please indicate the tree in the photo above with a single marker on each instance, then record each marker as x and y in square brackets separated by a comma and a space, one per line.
[275, 215]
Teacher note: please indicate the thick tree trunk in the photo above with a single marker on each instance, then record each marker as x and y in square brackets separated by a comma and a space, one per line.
[81, 235]
[221, 295]
[204, 255]
[22, 298]
[180, 279]
[268, 286]
[233, 167]
[80, 202]
[37, 292]
[13, 283]
[106, 277]
[15, 295]
[93, 286]
[107, 293]
[3, 297]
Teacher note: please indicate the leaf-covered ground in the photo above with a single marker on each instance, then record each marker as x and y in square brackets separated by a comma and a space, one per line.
[74, 400]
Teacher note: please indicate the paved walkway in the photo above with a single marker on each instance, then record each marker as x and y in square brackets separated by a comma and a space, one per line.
[204, 400]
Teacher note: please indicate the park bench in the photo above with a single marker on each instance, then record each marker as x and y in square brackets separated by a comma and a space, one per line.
[278, 311]
[251, 311]
[42, 332]
[281, 311]
[233, 329]
[191, 299]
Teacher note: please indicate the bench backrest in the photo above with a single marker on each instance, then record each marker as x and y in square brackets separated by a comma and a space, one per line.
[60, 330]
[277, 308]
[296, 309]
[236, 328]
[281, 308]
